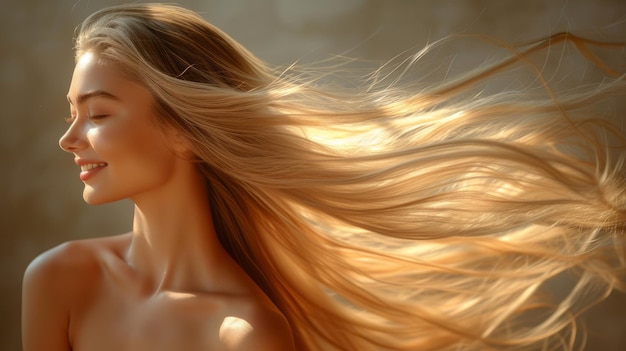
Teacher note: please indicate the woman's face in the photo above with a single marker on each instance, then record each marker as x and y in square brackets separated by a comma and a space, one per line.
[113, 135]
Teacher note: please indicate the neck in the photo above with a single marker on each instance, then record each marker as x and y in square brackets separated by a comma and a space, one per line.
[174, 245]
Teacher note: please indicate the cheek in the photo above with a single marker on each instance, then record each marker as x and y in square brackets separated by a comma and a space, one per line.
[135, 152]
[140, 148]
[108, 143]
[149, 145]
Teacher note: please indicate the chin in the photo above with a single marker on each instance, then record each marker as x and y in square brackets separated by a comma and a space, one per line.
[91, 197]
[94, 202]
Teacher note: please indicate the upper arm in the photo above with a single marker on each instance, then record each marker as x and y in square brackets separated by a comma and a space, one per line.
[46, 301]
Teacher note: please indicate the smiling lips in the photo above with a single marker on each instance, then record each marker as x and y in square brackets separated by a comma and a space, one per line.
[91, 166]
[89, 169]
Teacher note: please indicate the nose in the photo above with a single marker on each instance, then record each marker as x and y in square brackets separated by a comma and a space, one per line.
[73, 139]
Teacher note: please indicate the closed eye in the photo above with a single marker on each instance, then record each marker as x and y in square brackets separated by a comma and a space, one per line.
[96, 117]
[71, 119]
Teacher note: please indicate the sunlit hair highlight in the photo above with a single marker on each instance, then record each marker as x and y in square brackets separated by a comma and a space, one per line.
[395, 215]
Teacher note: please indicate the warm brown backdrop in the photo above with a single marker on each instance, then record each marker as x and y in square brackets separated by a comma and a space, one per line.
[41, 195]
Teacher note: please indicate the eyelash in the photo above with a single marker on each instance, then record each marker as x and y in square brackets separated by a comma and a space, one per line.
[71, 119]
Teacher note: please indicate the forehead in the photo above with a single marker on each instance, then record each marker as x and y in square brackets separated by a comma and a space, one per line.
[93, 75]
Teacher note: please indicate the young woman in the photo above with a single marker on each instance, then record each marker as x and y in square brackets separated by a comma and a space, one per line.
[273, 212]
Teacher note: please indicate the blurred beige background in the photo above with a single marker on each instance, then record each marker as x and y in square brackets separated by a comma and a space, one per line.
[41, 194]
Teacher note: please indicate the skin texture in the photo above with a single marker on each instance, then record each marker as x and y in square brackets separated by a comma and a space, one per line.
[168, 284]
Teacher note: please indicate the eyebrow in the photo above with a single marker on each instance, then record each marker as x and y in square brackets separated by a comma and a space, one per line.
[92, 94]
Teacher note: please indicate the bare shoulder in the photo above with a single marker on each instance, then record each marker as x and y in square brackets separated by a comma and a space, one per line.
[69, 262]
[69, 267]
[56, 266]
[256, 326]
[54, 284]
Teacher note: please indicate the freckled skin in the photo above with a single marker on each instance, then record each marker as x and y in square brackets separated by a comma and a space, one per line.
[166, 285]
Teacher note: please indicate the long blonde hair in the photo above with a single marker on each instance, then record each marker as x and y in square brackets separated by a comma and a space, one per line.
[390, 215]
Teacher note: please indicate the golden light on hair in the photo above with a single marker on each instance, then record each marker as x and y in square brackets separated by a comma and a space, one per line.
[393, 217]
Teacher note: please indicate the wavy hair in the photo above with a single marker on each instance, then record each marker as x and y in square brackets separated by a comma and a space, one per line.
[392, 214]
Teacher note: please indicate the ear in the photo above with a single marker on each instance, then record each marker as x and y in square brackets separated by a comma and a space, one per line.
[180, 145]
